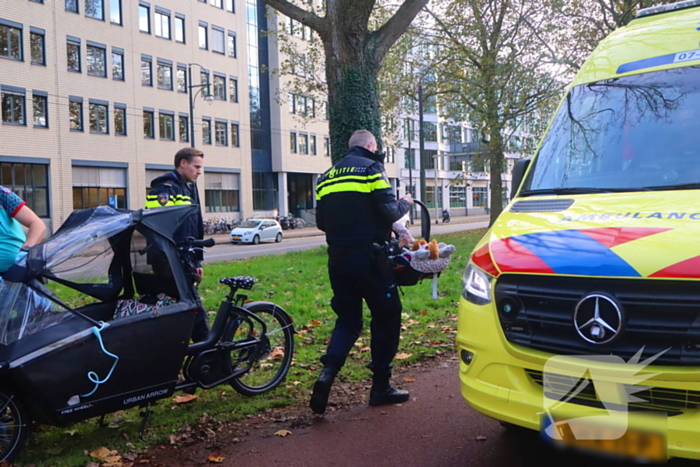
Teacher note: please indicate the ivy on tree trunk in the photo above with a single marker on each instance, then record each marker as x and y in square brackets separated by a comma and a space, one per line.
[353, 57]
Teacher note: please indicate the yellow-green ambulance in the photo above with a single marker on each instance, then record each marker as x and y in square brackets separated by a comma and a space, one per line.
[580, 311]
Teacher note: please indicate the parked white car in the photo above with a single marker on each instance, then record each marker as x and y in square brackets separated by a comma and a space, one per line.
[257, 230]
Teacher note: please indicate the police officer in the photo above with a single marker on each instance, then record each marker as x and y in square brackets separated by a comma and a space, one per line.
[176, 188]
[356, 207]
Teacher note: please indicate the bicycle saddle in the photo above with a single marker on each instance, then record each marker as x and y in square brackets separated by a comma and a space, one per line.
[239, 282]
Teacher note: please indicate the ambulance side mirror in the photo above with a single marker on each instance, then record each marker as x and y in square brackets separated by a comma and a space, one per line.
[519, 169]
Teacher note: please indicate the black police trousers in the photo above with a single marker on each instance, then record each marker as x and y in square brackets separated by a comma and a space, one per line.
[356, 276]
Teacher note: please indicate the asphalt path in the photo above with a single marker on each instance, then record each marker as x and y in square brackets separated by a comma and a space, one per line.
[435, 428]
[225, 251]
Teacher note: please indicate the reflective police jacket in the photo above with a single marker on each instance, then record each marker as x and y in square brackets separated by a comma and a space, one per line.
[355, 202]
[172, 190]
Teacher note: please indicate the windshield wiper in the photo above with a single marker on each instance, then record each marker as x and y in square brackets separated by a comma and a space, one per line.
[570, 191]
[680, 186]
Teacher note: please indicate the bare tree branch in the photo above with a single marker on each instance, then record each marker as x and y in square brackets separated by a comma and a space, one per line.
[389, 32]
[307, 18]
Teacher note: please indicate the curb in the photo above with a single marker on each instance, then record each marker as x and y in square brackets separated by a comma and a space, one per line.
[313, 232]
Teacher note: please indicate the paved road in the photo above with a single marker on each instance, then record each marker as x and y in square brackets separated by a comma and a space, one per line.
[224, 251]
[435, 428]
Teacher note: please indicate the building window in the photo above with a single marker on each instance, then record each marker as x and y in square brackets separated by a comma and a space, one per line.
[430, 161]
[94, 9]
[146, 65]
[41, 109]
[179, 29]
[458, 196]
[166, 124]
[217, 3]
[409, 158]
[99, 118]
[96, 61]
[13, 111]
[72, 6]
[235, 135]
[293, 142]
[233, 89]
[75, 111]
[430, 131]
[221, 192]
[479, 196]
[120, 120]
[165, 76]
[162, 25]
[204, 78]
[203, 42]
[73, 50]
[324, 110]
[312, 145]
[312, 107]
[231, 44]
[37, 46]
[30, 182]
[144, 18]
[206, 131]
[303, 144]
[430, 196]
[326, 146]
[292, 102]
[300, 105]
[217, 40]
[184, 128]
[230, 6]
[220, 133]
[118, 65]
[115, 11]
[181, 80]
[148, 130]
[98, 186]
[219, 88]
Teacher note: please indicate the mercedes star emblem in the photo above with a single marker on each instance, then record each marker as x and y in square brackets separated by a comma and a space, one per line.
[598, 319]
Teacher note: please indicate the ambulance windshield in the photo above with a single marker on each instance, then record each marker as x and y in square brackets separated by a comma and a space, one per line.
[633, 133]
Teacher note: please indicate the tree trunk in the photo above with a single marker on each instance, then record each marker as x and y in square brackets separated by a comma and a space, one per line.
[352, 93]
[353, 57]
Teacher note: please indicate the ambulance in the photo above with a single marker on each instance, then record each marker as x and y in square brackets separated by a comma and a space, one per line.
[580, 310]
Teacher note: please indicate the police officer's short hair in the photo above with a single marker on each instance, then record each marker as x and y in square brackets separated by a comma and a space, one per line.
[361, 138]
[187, 154]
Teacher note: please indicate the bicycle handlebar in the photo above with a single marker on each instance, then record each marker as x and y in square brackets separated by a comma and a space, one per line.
[208, 243]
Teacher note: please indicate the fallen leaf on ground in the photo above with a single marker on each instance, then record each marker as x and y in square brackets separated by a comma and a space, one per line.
[283, 433]
[215, 457]
[402, 356]
[408, 379]
[103, 453]
[93, 464]
[181, 399]
[70, 432]
[424, 312]
[315, 322]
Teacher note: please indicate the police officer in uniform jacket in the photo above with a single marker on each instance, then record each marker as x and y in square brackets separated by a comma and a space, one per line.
[176, 188]
[356, 207]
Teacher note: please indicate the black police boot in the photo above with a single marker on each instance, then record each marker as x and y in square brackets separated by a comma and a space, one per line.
[322, 389]
[385, 394]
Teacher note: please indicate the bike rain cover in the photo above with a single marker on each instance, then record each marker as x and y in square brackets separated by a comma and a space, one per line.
[92, 254]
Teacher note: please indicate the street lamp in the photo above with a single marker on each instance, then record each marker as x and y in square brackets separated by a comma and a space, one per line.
[207, 97]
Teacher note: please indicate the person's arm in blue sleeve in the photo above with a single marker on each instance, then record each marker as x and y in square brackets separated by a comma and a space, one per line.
[383, 194]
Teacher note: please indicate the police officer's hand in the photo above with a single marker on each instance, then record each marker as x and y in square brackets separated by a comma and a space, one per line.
[408, 198]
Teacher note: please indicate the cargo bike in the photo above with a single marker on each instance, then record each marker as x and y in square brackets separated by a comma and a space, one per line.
[127, 341]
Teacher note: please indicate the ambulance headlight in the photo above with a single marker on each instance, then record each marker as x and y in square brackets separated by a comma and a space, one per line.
[476, 285]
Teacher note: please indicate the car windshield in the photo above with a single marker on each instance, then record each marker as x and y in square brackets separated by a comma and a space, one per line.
[249, 224]
[626, 134]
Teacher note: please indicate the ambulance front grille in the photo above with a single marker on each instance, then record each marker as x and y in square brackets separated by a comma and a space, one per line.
[581, 391]
[660, 316]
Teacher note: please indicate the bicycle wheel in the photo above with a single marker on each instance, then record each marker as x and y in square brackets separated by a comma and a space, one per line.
[14, 425]
[269, 361]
